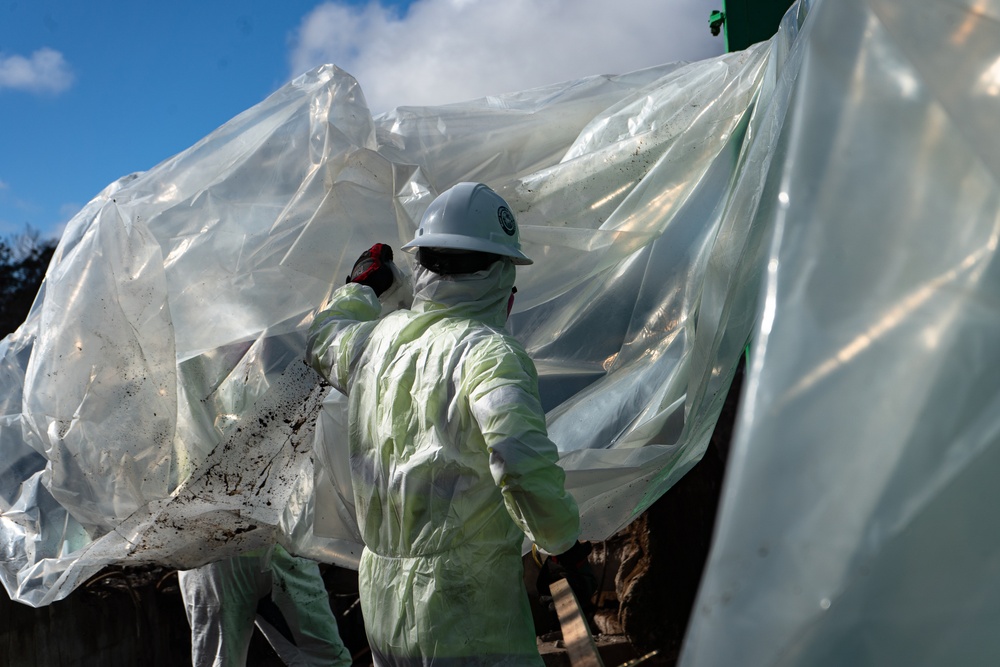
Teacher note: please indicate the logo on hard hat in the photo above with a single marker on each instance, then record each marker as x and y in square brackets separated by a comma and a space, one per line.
[506, 220]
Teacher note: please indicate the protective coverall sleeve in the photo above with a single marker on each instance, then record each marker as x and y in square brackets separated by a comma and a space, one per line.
[339, 332]
[503, 395]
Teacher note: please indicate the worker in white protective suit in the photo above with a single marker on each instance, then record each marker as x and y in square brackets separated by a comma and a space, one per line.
[451, 463]
[285, 596]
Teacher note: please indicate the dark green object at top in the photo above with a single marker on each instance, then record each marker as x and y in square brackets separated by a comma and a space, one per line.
[746, 22]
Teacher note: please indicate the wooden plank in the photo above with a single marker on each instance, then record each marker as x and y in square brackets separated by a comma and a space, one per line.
[580, 646]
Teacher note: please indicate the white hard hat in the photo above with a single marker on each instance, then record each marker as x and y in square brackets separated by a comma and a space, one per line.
[470, 216]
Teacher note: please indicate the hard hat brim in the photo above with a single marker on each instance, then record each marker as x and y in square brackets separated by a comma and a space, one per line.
[460, 242]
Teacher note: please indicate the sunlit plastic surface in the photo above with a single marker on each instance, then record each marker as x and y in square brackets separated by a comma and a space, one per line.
[831, 194]
[858, 522]
[156, 407]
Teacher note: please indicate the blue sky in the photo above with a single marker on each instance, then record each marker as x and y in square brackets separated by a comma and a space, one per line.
[93, 90]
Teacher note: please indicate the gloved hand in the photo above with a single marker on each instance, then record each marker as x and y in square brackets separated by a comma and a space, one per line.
[374, 268]
[572, 565]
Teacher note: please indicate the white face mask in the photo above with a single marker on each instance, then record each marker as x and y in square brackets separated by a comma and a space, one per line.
[484, 295]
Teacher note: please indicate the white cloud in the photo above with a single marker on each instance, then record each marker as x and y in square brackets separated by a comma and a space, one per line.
[45, 71]
[452, 50]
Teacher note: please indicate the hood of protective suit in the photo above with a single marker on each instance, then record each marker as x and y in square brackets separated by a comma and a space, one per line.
[482, 295]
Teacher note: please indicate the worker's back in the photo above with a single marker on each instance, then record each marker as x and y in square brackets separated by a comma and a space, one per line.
[422, 481]
[451, 463]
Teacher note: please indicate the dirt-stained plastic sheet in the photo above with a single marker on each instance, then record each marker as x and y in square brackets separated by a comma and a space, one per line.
[156, 406]
[831, 195]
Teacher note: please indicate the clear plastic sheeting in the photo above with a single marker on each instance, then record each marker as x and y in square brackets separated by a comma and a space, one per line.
[831, 194]
[156, 405]
[858, 521]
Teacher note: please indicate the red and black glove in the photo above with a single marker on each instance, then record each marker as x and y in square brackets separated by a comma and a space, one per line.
[373, 268]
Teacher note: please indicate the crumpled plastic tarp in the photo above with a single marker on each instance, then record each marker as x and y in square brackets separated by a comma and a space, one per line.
[157, 407]
[858, 522]
[829, 195]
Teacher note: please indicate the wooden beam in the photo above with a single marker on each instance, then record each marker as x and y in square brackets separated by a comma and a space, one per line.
[580, 646]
